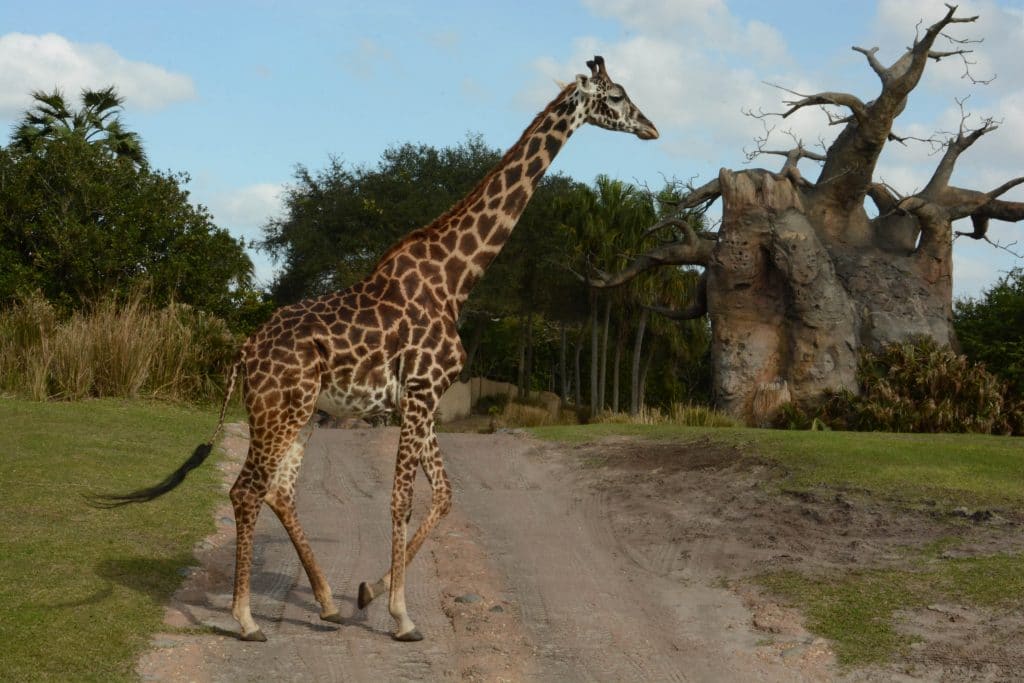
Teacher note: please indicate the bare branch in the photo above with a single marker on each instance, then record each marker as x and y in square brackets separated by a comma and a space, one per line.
[694, 251]
[980, 228]
[884, 197]
[876, 66]
[840, 99]
[981, 206]
[965, 137]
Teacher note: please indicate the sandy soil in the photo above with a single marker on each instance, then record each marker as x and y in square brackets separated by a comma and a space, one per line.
[616, 561]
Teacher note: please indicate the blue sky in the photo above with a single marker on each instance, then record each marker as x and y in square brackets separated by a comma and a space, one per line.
[238, 94]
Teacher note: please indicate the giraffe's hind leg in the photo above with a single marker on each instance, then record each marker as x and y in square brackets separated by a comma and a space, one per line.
[281, 499]
[246, 498]
[270, 444]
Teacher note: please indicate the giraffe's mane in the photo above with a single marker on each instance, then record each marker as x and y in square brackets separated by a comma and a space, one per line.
[444, 219]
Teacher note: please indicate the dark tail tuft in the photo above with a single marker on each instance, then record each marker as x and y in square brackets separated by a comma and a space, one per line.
[200, 454]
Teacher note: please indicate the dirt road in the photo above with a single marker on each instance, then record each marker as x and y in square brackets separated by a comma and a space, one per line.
[543, 572]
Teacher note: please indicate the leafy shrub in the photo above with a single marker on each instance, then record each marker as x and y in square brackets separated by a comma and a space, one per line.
[916, 386]
[991, 329]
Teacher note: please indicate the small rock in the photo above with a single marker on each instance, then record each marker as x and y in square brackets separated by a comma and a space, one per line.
[792, 652]
[497, 608]
[468, 598]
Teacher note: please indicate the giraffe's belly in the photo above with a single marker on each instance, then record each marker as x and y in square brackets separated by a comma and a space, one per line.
[359, 401]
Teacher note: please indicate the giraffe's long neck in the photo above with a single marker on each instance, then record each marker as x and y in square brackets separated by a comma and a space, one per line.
[452, 253]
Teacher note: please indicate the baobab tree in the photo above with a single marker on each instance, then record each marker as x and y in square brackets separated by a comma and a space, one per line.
[798, 277]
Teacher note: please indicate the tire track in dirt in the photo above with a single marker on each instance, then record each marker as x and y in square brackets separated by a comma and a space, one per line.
[548, 587]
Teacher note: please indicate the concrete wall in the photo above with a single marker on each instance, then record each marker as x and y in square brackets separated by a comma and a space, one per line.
[460, 398]
[456, 402]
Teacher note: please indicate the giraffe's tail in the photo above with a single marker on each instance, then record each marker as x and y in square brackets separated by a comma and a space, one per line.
[199, 455]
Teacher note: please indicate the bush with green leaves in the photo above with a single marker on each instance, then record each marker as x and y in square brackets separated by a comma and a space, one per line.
[991, 329]
[916, 386]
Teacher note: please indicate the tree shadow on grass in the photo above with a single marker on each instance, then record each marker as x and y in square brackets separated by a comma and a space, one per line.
[155, 578]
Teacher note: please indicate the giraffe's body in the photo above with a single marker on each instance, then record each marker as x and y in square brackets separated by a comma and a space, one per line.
[390, 344]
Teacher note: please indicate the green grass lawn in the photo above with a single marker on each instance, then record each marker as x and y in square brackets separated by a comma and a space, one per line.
[82, 590]
[855, 609]
[940, 469]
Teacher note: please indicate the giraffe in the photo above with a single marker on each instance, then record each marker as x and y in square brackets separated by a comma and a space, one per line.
[389, 343]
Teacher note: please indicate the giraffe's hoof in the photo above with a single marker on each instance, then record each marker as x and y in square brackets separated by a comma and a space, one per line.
[254, 637]
[365, 595]
[335, 618]
[410, 637]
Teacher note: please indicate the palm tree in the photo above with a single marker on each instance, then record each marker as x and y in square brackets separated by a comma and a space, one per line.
[97, 122]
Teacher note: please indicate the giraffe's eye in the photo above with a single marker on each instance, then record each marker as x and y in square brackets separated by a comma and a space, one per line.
[616, 98]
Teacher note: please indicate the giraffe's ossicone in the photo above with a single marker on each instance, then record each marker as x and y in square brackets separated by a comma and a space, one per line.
[387, 344]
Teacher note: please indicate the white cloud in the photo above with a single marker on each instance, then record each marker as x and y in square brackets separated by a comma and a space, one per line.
[244, 210]
[43, 62]
[704, 22]
[364, 61]
[695, 97]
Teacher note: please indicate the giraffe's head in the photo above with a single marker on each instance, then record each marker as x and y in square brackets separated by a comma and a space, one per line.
[607, 105]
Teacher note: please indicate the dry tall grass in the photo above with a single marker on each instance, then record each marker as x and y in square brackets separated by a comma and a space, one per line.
[688, 414]
[122, 349]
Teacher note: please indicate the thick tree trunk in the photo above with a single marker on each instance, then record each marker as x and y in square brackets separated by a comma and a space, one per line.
[798, 279]
[796, 289]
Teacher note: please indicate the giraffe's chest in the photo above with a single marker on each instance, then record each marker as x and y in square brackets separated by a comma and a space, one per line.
[374, 397]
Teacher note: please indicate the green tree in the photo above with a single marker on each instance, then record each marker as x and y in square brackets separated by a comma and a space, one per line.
[338, 221]
[97, 122]
[991, 329]
[78, 224]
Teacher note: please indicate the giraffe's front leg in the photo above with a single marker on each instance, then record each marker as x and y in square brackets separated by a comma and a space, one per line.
[414, 440]
[441, 502]
[401, 508]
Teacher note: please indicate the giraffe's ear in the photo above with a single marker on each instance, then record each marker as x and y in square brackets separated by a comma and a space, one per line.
[584, 84]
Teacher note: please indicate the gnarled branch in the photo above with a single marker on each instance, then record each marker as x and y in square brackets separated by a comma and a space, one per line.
[695, 251]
